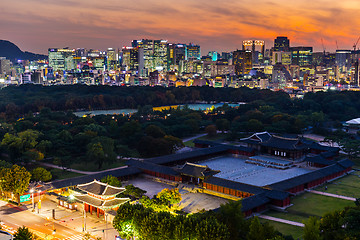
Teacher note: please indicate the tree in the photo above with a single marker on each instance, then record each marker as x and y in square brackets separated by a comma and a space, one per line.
[23, 233]
[331, 226]
[231, 215]
[154, 131]
[255, 230]
[175, 142]
[16, 180]
[171, 196]
[351, 221]
[111, 180]
[211, 130]
[254, 125]
[222, 124]
[95, 153]
[351, 147]
[211, 229]
[41, 174]
[312, 229]
[133, 192]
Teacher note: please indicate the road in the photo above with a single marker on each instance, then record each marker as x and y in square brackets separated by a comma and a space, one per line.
[15, 217]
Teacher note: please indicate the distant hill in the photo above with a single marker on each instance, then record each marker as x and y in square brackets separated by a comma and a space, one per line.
[13, 52]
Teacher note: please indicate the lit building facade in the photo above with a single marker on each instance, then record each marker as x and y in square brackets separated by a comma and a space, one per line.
[301, 55]
[61, 59]
[193, 52]
[242, 60]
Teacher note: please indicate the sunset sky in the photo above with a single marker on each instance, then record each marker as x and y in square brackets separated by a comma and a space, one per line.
[36, 25]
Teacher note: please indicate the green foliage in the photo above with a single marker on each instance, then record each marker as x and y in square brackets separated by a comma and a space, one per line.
[16, 180]
[132, 192]
[312, 229]
[331, 226]
[41, 174]
[172, 196]
[154, 131]
[23, 233]
[211, 130]
[111, 180]
[140, 222]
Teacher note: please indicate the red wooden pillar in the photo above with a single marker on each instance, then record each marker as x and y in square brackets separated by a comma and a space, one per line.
[98, 212]
[91, 209]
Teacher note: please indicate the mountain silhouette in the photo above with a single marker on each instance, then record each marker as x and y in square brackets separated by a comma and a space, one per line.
[13, 52]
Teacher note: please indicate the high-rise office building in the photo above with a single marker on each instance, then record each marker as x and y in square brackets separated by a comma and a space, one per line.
[176, 53]
[342, 59]
[4, 66]
[193, 52]
[242, 60]
[111, 59]
[61, 59]
[148, 46]
[281, 44]
[257, 56]
[160, 54]
[301, 55]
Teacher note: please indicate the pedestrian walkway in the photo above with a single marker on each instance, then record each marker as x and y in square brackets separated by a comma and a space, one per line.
[332, 195]
[74, 220]
[78, 171]
[282, 220]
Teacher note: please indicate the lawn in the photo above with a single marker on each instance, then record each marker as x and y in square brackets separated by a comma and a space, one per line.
[306, 205]
[347, 186]
[189, 143]
[61, 174]
[286, 229]
[317, 205]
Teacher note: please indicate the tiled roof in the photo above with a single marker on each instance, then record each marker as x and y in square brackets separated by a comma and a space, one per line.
[315, 145]
[254, 201]
[319, 160]
[195, 170]
[284, 143]
[186, 155]
[101, 203]
[88, 178]
[99, 188]
[311, 176]
[146, 165]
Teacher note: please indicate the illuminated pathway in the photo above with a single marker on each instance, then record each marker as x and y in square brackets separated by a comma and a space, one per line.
[282, 220]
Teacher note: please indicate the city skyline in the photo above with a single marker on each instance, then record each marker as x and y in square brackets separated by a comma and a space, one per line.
[36, 25]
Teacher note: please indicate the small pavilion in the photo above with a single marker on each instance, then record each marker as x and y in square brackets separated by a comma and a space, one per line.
[100, 197]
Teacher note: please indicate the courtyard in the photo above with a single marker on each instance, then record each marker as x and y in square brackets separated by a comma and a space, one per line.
[236, 169]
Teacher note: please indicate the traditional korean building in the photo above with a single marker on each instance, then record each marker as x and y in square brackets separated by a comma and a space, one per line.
[195, 173]
[100, 197]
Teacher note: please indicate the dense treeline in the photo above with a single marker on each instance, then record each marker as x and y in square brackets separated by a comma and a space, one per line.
[25, 98]
[22, 99]
[227, 223]
[335, 225]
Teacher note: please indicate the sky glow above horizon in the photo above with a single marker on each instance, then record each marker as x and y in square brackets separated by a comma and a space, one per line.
[36, 25]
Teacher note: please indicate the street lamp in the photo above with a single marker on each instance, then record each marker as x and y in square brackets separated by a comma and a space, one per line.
[84, 223]
[32, 198]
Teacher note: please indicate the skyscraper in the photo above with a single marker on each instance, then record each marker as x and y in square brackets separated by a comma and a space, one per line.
[111, 59]
[301, 55]
[242, 60]
[148, 46]
[281, 44]
[61, 59]
[160, 54]
[193, 52]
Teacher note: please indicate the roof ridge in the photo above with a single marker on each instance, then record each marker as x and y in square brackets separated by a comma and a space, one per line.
[196, 165]
[285, 138]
